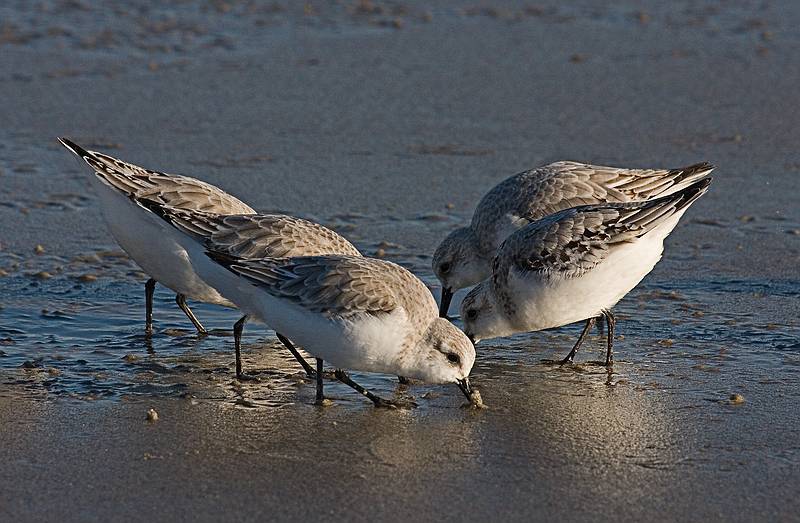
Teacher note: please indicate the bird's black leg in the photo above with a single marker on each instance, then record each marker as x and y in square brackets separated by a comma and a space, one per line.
[403, 380]
[149, 289]
[320, 395]
[377, 401]
[584, 333]
[300, 359]
[238, 327]
[180, 299]
[601, 325]
[612, 322]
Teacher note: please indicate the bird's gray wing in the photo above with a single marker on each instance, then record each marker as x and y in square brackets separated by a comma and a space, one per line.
[169, 189]
[334, 285]
[572, 242]
[254, 235]
[532, 195]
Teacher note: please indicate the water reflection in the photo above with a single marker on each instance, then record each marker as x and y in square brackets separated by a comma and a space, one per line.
[88, 339]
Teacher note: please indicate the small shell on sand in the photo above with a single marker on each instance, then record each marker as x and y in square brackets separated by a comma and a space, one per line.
[475, 400]
[38, 249]
[152, 415]
[736, 399]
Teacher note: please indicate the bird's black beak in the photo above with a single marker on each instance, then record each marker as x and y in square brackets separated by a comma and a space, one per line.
[447, 297]
[465, 388]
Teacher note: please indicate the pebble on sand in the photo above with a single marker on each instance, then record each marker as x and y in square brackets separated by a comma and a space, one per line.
[475, 400]
[38, 249]
[152, 415]
[736, 399]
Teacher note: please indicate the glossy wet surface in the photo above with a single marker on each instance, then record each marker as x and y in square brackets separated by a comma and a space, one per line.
[687, 338]
[81, 376]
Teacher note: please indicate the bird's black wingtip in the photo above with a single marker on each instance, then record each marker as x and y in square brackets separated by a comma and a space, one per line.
[223, 258]
[72, 146]
[169, 215]
[153, 206]
[702, 183]
[694, 170]
[702, 166]
[694, 191]
[681, 198]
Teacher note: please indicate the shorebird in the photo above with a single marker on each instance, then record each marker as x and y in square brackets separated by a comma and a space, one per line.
[354, 312]
[245, 236]
[464, 257]
[117, 183]
[573, 265]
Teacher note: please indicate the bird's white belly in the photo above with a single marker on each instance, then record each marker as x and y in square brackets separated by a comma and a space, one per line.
[368, 343]
[140, 234]
[544, 303]
[364, 343]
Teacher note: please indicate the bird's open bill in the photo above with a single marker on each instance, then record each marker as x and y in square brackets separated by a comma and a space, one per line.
[447, 297]
[465, 388]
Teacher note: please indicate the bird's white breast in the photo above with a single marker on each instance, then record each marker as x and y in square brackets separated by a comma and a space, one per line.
[362, 342]
[141, 235]
[544, 303]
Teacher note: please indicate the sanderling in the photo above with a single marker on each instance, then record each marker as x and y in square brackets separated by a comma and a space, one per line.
[116, 183]
[573, 265]
[247, 236]
[465, 256]
[356, 313]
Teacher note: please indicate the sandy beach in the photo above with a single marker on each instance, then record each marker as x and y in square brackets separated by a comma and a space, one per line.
[387, 122]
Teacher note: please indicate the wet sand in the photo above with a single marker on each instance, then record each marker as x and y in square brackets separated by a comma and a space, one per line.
[389, 123]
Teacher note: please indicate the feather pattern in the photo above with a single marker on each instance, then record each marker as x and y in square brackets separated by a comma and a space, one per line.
[255, 235]
[573, 265]
[572, 242]
[533, 194]
[168, 189]
[339, 286]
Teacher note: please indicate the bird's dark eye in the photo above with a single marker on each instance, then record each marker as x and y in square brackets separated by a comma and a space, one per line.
[452, 357]
[444, 268]
[472, 314]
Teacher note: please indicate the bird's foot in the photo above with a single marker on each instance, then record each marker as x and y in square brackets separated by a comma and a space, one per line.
[393, 404]
[247, 377]
[565, 361]
[328, 374]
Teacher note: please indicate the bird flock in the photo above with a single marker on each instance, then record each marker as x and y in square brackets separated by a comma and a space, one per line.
[555, 245]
